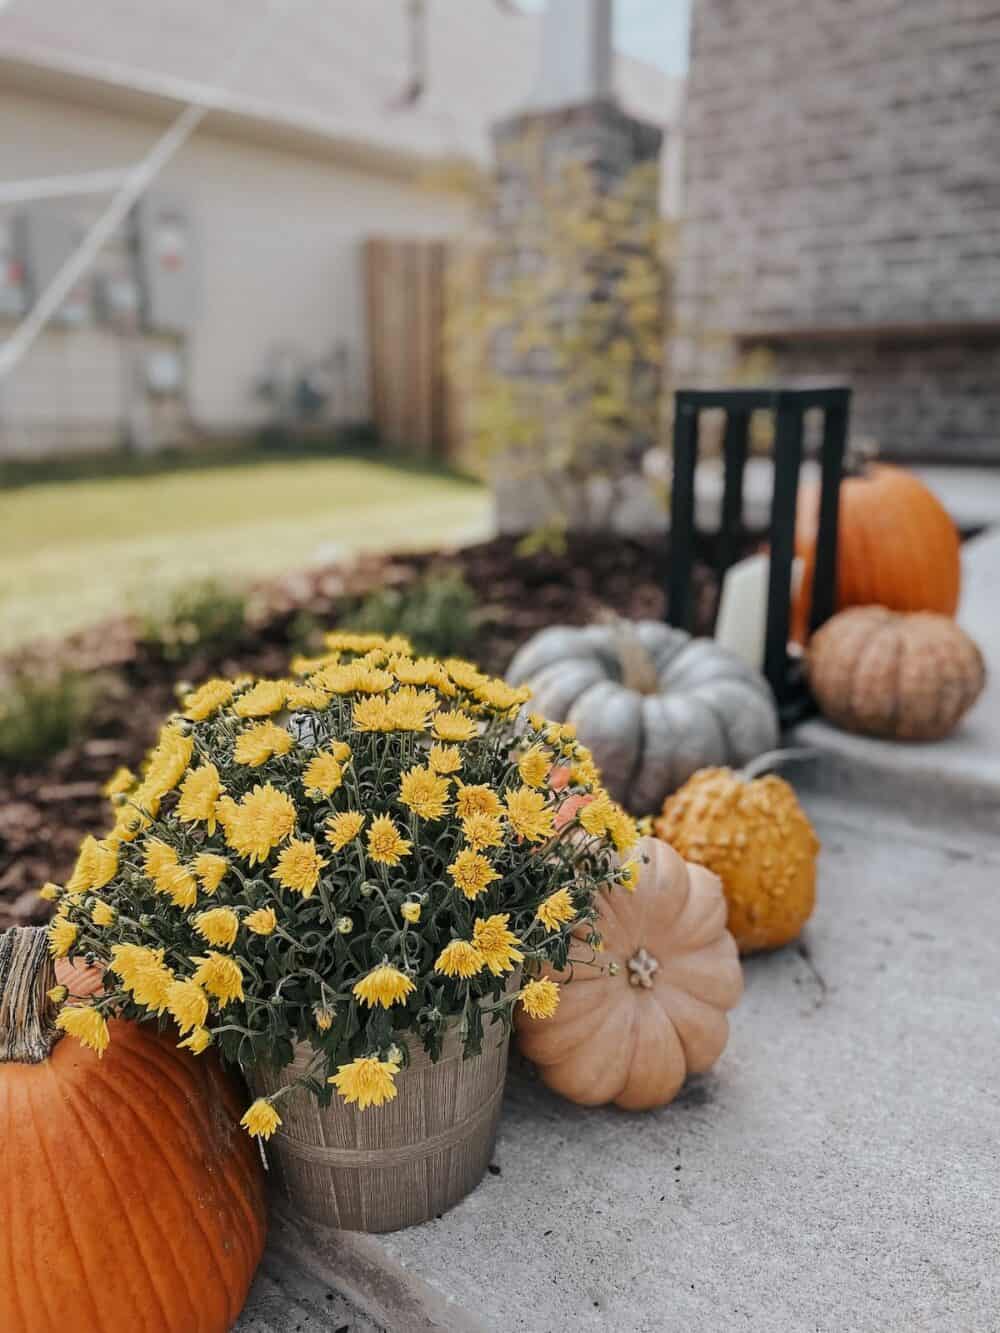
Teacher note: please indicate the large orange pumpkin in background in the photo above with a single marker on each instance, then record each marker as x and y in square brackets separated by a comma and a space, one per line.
[131, 1198]
[897, 546]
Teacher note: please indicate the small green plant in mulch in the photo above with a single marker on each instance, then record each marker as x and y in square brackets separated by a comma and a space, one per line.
[207, 615]
[436, 612]
[41, 714]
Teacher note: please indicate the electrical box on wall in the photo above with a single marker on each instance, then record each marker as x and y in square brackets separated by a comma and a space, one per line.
[43, 239]
[165, 257]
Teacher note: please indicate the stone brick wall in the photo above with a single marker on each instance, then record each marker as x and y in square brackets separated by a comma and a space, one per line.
[842, 195]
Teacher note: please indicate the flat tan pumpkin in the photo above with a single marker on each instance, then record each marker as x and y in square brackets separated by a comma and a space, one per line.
[630, 1030]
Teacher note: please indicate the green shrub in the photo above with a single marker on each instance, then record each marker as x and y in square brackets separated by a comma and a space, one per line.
[40, 715]
[437, 613]
[198, 616]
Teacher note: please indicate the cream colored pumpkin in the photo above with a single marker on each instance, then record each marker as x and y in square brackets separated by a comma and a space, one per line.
[653, 1010]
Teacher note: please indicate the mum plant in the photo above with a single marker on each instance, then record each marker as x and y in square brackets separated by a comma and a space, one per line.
[355, 858]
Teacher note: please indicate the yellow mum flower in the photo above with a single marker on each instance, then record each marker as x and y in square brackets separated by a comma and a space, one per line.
[96, 865]
[144, 973]
[349, 642]
[167, 765]
[623, 829]
[261, 742]
[187, 1004]
[597, 817]
[210, 870]
[121, 781]
[207, 699]
[556, 909]
[322, 776]
[482, 831]
[324, 1018]
[445, 758]
[418, 671]
[49, 892]
[527, 813]
[263, 921]
[344, 828]
[299, 866]
[199, 793]
[497, 944]
[410, 912]
[471, 872]
[367, 1081]
[261, 1119]
[465, 675]
[373, 714]
[57, 994]
[501, 697]
[83, 1022]
[221, 977]
[455, 726]
[534, 766]
[630, 875]
[424, 792]
[180, 885]
[540, 998]
[459, 959]
[385, 843]
[197, 1041]
[158, 858]
[477, 800]
[218, 926]
[306, 696]
[411, 709]
[262, 699]
[370, 680]
[384, 985]
[262, 819]
[102, 913]
[62, 937]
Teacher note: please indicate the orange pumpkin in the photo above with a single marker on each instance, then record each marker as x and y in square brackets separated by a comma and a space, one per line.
[652, 1010]
[137, 1202]
[897, 546]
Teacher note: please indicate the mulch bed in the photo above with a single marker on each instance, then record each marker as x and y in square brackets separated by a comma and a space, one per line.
[46, 811]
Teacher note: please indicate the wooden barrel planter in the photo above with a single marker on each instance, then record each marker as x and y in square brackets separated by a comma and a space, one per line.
[391, 1166]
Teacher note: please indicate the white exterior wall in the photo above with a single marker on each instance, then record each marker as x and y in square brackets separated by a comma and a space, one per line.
[278, 246]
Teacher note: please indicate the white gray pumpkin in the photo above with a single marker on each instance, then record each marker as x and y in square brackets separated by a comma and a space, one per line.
[652, 704]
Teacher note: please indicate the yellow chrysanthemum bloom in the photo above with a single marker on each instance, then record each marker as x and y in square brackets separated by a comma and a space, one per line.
[49, 892]
[455, 725]
[143, 972]
[322, 776]
[501, 697]
[386, 845]
[263, 921]
[57, 994]
[262, 699]
[384, 985]
[459, 959]
[260, 821]
[482, 831]
[367, 1081]
[261, 742]
[207, 699]
[348, 641]
[444, 758]
[597, 816]
[556, 909]
[373, 714]
[418, 671]
[629, 875]
[410, 709]
[158, 858]
[187, 1004]
[308, 696]
[210, 869]
[62, 937]
[534, 766]
[497, 944]
[218, 926]
[122, 780]
[528, 815]
[180, 886]
[323, 1018]
[96, 866]
[198, 1040]
[167, 764]
[370, 680]
[536, 722]
[303, 665]
[623, 829]
[261, 1119]
[424, 792]
[298, 867]
[102, 913]
[344, 828]
[410, 912]
[220, 976]
[472, 873]
[199, 793]
[476, 800]
[86, 1024]
[540, 998]
[466, 675]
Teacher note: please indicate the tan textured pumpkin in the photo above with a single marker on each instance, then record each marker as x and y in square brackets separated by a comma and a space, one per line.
[758, 840]
[631, 1029]
[137, 1201]
[908, 677]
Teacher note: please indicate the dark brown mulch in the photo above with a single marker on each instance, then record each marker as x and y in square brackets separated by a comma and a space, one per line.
[45, 812]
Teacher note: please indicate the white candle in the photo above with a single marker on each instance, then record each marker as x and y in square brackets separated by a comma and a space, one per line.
[741, 624]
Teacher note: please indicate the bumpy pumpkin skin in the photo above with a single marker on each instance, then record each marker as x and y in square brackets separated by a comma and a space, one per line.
[904, 677]
[138, 1201]
[632, 1035]
[757, 839]
[896, 546]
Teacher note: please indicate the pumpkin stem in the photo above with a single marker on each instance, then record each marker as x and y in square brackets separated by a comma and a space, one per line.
[27, 1033]
[764, 763]
[638, 668]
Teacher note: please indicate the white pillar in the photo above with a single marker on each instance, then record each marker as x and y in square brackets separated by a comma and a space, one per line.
[577, 57]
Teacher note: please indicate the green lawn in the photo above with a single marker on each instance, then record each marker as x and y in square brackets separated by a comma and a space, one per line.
[72, 553]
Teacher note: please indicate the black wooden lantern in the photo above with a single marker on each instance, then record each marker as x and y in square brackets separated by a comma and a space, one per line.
[789, 407]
